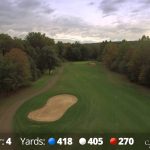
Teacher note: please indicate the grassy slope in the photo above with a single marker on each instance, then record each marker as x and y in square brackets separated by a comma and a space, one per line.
[41, 82]
[106, 103]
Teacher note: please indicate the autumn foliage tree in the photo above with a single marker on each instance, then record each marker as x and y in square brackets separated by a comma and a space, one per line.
[15, 69]
[110, 55]
[130, 58]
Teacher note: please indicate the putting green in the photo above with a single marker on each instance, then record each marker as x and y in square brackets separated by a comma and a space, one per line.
[107, 103]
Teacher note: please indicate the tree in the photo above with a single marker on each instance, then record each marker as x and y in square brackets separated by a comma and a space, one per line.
[6, 43]
[21, 61]
[131, 58]
[36, 39]
[145, 38]
[110, 55]
[144, 75]
[101, 50]
[84, 53]
[47, 59]
[134, 65]
[60, 49]
[73, 53]
[35, 72]
[121, 61]
[8, 75]
[18, 43]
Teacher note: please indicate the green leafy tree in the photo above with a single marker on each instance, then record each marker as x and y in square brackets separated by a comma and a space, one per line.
[36, 39]
[8, 75]
[48, 59]
[6, 43]
[60, 49]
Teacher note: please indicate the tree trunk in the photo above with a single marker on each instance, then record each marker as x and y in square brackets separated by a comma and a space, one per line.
[3, 52]
[49, 71]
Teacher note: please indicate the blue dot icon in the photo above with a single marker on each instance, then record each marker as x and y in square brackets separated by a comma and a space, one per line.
[51, 141]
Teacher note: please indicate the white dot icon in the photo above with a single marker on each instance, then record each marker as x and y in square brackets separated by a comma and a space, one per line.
[82, 141]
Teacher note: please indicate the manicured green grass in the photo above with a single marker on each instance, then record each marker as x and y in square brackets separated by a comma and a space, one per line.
[103, 104]
[107, 103]
[41, 82]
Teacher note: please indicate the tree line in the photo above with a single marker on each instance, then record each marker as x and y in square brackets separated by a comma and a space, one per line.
[131, 58]
[25, 60]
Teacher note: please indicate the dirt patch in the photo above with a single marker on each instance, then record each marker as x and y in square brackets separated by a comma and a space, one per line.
[54, 109]
[92, 63]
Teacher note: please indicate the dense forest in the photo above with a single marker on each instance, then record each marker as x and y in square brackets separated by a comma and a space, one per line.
[129, 58]
[25, 60]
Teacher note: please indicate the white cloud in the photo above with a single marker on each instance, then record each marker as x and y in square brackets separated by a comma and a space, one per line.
[84, 21]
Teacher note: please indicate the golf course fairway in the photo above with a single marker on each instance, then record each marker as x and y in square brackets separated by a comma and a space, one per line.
[107, 103]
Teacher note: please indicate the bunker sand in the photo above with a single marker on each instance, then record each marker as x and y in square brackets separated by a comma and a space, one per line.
[92, 63]
[54, 109]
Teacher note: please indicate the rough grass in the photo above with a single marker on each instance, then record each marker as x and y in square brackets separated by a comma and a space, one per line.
[41, 82]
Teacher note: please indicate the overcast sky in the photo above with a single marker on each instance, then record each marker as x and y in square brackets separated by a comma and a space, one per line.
[76, 20]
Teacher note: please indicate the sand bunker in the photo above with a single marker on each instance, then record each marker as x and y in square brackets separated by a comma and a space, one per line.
[92, 63]
[54, 109]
